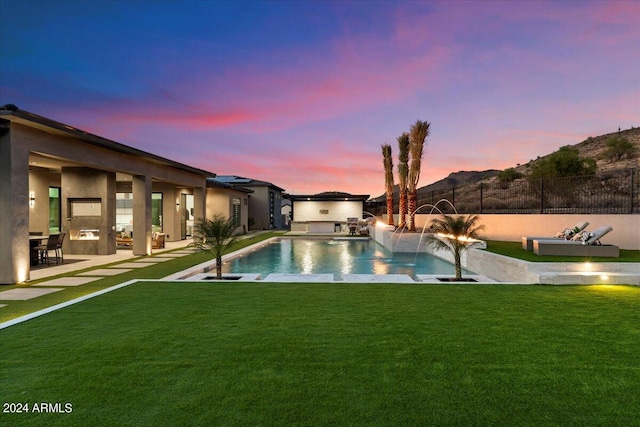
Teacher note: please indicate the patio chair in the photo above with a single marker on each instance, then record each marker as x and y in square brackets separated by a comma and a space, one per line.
[59, 247]
[589, 245]
[157, 240]
[568, 233]
[52, 245]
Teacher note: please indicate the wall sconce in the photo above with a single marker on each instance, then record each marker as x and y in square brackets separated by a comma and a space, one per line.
[32, 199]
[177, 204]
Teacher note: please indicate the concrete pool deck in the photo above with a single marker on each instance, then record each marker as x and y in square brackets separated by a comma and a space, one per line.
[490, 268]
[530, 272]
[331, 278]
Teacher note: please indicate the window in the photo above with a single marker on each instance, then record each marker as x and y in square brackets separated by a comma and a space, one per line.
[55, 206]
[156, 212]
[272, 197]
[237, 221]
[124, 212]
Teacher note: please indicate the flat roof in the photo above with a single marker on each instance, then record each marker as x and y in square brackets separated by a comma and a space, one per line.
[214, 183]
[328, 196]
[240, 181]
[14, 114]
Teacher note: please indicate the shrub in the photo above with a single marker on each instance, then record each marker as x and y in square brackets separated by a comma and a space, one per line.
[562, 163]
[509, 175]
[619, 147]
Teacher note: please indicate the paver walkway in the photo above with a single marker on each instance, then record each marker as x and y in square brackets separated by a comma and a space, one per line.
[87, 261]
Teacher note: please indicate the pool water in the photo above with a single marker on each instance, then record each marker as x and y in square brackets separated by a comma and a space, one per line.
[319, 256]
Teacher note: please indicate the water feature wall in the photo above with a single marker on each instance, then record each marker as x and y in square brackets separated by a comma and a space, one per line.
[512, 227]
[403, 241]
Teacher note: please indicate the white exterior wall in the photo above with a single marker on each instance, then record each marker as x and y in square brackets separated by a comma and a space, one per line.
[339, 211]
[512, 227]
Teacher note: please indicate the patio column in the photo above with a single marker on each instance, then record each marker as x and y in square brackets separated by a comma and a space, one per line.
[14, 207]
[141, 187]
[199, 203]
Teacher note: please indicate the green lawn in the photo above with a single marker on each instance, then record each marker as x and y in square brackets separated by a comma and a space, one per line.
[168, 354]
[16, 309]
[514, 250]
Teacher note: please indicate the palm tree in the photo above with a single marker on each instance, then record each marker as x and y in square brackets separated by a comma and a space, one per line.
[215, 235]
[452, 233]
[403, 174]
[419, 132]
[388, 180]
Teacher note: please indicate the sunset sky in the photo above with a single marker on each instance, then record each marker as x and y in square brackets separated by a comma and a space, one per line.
[303, 93]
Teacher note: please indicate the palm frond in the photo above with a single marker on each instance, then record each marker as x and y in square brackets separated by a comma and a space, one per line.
[214, 235]
[450, 233]
[388, 167]
[403, 160]
[417, 136]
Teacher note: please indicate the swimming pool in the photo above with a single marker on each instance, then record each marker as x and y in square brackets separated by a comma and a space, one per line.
[338, 257]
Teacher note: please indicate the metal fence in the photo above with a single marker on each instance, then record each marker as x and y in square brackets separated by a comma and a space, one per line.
[612, 193]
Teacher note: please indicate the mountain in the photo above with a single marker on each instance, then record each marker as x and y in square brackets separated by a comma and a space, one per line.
[594, 147]
[454, 179]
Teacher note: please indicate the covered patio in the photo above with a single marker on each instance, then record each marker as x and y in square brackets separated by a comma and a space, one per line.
[59, 179]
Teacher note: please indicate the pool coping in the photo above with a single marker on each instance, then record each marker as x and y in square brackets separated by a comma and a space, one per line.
[330, 278]
[489, 267]
[195, 273]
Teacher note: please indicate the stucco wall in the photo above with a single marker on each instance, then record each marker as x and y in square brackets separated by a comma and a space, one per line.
[39, 183]
[259, 208]
[625, 234]
[221, 201]
[338, 211]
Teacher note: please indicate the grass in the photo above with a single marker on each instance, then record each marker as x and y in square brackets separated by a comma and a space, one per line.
[158, 353]
[514, 250]
[156, 271]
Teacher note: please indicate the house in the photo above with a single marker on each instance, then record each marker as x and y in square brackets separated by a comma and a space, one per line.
[264, 202]
[60, 179]
[326, 212]
[229, 201]
[285, 212]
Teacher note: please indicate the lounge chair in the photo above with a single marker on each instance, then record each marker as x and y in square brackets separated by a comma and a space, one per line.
[157, 241]
[589, 245]
[568, 233]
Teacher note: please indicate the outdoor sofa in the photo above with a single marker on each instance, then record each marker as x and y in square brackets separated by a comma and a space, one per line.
[590, 246]
[527, 242]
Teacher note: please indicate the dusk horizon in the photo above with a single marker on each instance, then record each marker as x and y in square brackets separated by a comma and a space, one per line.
[303, 95]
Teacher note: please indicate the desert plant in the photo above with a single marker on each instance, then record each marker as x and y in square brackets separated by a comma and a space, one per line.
[388, 180]
[563, 163]
[417, 136]
[452, 233]
[509, 175]
[403, 175]
[619, 147]
[215, 235]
